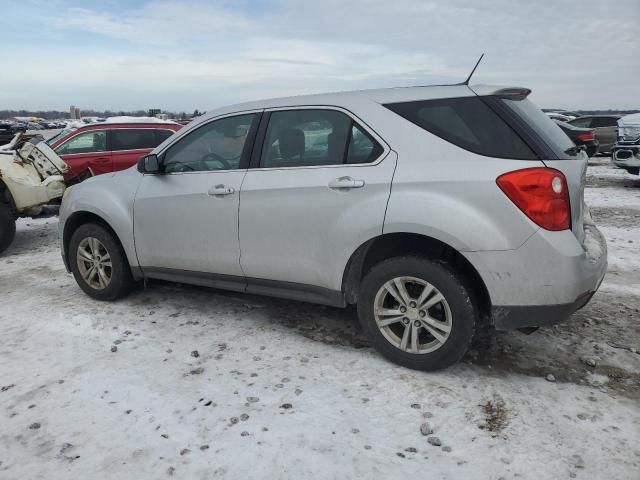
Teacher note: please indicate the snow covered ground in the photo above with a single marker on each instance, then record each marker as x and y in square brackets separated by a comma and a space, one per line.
[195, 383]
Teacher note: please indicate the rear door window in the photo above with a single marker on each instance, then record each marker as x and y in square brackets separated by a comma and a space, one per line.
[467, 122]
[133, 138]
[362, 147]
[162, 135]
[604, 122]
[316, 137]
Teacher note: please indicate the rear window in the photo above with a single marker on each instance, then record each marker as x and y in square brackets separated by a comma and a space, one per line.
[548, 131]
[469, 123]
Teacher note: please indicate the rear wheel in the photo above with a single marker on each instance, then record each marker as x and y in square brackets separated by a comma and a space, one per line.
[417, 312]
[7, 226]
[99, 263]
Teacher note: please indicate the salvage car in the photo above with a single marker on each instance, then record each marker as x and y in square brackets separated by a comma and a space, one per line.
[626, 152]
[108, 147]
[438, 211]
[31, 175]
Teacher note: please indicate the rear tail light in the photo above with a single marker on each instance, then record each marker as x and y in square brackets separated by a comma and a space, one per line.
[587, 137]
[541, 193]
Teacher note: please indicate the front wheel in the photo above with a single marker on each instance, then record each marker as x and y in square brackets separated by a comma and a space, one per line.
[417, 312]
[99, 263]
[7, 226]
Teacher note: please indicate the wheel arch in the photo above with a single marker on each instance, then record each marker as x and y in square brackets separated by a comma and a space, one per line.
[402, 243]
[79, 218]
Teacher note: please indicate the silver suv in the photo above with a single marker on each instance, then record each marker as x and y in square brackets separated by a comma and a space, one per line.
[437, 210]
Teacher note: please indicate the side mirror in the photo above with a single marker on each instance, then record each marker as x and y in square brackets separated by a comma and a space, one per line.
[150, 164]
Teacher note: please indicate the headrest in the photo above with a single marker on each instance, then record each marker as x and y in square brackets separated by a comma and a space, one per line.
[291, 142]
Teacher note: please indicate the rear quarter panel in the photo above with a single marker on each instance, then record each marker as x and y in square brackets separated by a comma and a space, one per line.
[448, 193]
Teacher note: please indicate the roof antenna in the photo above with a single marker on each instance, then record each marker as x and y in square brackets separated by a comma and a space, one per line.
[466, 82]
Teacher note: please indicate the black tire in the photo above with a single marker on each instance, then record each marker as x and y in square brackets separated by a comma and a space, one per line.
[464, 312]
[121, 281]
[7, 226]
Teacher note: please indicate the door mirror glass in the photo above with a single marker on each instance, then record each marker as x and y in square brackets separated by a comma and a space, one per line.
[149, 164]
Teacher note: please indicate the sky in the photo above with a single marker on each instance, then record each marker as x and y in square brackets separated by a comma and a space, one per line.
[187, 54]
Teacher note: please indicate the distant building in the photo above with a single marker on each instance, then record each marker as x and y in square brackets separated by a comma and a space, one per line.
[74, 112]
[162, 116]
[153, 112]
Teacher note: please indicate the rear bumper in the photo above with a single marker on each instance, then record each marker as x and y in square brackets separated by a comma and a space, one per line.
[512, 317]
[544, 281]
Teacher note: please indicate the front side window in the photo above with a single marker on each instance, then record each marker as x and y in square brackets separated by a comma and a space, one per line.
[304, 138]
[219, 145]
[132, 139]
[88, 142]
[467, 122]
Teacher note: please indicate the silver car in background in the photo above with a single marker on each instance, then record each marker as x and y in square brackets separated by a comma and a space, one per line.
[436, 210]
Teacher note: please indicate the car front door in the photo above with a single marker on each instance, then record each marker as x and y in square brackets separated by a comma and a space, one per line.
[86, 150]
[186, 218]
[319, 189]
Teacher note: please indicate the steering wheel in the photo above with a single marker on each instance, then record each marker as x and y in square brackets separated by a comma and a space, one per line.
[213, 157]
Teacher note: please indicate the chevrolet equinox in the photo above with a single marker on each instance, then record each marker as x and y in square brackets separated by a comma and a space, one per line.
[436, 210]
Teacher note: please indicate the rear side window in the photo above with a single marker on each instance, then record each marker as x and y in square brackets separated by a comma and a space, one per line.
[132, 139]
[316, 137]
[545, 128]
[468, 123]
[605, 122]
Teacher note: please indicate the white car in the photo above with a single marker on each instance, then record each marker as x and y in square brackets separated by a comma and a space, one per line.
[31, 175]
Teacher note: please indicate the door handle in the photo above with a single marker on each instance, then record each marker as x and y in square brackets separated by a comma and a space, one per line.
[346, 182]
[102, 160]
[220, 190]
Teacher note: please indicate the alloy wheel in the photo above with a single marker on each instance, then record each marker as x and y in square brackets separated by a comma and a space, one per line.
[412, 315]
[94, 263]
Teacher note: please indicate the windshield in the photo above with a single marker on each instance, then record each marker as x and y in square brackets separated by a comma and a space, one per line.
[546, 128]
[59, 135]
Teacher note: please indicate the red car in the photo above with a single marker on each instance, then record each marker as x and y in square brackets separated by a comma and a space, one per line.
[108, 147]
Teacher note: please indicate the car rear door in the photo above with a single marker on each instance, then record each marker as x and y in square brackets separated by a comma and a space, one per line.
[606, 131]
[129, 144]
[317, 188]
[186, 219]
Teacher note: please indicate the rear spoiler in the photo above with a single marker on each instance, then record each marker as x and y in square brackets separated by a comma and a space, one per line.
[510, 93]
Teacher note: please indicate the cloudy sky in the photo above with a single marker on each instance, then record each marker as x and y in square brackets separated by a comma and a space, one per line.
[186, 54]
